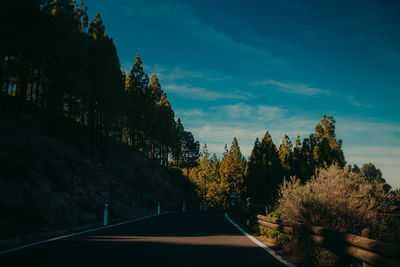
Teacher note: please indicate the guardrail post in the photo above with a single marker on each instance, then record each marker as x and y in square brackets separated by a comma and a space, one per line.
[105, 214]
[365, 233]
[158, 208]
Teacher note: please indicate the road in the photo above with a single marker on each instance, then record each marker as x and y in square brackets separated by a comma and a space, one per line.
[185, 239]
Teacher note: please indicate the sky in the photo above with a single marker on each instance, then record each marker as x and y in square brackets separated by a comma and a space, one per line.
[238, 68]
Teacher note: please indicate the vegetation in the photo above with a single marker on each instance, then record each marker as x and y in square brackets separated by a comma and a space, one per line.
[216, 179]
[267, 167]
[71, 69]
[264, 171]
[336, 199]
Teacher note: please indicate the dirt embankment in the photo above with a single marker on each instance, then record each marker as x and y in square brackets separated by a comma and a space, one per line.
[46, 185]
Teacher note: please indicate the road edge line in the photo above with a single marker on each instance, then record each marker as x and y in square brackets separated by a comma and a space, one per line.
[259, 243]
[74, 234]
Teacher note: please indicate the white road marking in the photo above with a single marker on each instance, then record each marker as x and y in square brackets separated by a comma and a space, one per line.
[73, 234]
[260, 244]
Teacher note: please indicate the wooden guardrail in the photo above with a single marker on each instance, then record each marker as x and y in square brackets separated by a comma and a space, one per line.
[368, 250]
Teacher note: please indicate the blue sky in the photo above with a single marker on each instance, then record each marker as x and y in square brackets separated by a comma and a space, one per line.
[239, 68]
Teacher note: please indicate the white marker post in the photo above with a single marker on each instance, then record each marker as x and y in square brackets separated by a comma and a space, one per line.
[158, 208]
[105, 214]
[183, 206]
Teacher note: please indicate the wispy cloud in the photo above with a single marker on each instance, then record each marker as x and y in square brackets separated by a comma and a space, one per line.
[235, 111]
[352, 100]
[270, 112]
[308, 90]
[199, 93]
[176, 73]
[294, 88]
[246, 112]
[190, 113]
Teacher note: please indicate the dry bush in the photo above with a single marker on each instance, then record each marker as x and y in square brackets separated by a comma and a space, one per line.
[335, 199]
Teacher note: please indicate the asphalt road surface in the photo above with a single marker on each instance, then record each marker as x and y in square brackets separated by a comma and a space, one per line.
[186, 239]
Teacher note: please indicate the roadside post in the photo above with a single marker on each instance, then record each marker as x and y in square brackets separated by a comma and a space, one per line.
[233, 199]
[248, 210]
[105, 214]
[158, 208]
[183, 206]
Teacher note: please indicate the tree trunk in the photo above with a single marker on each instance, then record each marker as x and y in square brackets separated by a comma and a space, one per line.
[7, 85]
[106, 139]
[23, 86]
[166, 156]
[32, 76]
[91, 122]
[4, 76]
[37, 86]
[143, 143]
[136, 140]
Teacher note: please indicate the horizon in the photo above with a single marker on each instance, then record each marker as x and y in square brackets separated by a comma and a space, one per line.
[238, 70]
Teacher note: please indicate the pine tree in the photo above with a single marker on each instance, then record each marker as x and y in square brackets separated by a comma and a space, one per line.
[153, 91]
[253, 171]
[154, 115]
[177, 147]
[185, 150]
[286, 156]
[201, 175]
[299, 163]
[355, 169]
[371, 173]
[328, 149]
[320, 149]
[233, 167]
[309, 155]
[264, 172]
[216, 185]
[137, 84]
[106, 84]
[166, 124]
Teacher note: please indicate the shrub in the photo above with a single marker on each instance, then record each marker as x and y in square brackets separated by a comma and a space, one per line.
[262, 230]
[276, 214]
[272, 233]
[334, 198]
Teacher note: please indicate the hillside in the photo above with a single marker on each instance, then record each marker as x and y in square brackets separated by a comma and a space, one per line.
[48, 183]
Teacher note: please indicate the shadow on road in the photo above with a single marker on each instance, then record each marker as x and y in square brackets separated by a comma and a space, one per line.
[189, 239]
